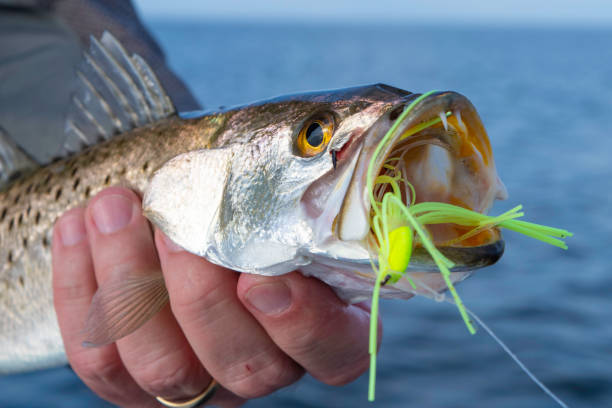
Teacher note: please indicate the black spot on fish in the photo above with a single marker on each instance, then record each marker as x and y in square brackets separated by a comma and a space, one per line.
[37, 218]
[17, 176]
[145, 166]
[28, 189]
[9, 258]
[47, 179]
[74, 171]
[75, 185]
[17, 198]
[45, 242]
[25, 242]
[21, 281]
[3, 215]
[87, 192]
[11, 223]
[20, 219]
[121, 143]
[28, 210]
[58, 194]
[107, 180]
[104, 154]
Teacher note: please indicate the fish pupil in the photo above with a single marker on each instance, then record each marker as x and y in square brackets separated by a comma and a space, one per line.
[314, 135]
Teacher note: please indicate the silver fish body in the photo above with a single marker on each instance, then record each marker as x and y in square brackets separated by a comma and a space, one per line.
[229, 186]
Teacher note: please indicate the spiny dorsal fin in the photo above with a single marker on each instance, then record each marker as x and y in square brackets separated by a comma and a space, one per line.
[13, 161]
[115, 93]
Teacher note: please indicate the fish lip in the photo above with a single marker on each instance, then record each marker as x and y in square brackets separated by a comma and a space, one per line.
[466, 257]
[474, 257]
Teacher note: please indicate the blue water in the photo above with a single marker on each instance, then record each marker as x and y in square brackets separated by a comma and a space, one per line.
[545, 97]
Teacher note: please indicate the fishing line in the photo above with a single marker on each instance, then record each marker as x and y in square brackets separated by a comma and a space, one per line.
[441, 297]
[514, 357]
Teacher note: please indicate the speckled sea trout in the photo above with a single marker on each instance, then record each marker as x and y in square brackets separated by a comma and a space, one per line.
[266, 188]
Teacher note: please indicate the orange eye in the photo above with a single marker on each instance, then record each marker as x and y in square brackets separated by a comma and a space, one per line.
[315, 136]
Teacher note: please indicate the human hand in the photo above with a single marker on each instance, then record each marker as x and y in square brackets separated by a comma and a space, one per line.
[251, 333]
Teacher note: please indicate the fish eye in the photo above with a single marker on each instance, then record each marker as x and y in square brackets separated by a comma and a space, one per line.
[315, 135]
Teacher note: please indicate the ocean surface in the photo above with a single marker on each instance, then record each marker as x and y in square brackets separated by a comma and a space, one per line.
[545, 96]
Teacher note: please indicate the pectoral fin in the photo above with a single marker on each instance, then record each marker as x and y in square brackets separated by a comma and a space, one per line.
[121, 306]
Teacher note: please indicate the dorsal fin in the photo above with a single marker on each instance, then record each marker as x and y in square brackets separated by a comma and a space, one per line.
[13, 161]
[115, 93]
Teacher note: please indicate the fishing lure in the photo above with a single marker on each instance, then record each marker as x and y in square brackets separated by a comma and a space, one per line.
[398, 227]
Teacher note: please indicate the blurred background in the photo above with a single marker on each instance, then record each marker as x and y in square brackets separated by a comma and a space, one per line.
[541, 77]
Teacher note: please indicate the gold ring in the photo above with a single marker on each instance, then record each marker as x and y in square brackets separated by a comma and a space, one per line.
[196, 401]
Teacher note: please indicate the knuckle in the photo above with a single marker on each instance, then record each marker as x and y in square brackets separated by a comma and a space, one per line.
[65, 293]
[164, 371]
[70, 292]
[197, 294]
[311, 330]
[160, 380]
[97, 369]
[259, 376]
[331, 362]
[346, 374]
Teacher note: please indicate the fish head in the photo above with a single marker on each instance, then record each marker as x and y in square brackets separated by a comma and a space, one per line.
[285, 186]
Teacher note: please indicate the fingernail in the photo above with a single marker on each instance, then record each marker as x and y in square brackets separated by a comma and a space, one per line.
[270, 298]
[112, 213]
[72, 230]
[170, 245]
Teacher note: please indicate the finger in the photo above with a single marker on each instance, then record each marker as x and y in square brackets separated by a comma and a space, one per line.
[311, 324]
[227, 339]
[223, 398]
[74, 285]
[157, 355]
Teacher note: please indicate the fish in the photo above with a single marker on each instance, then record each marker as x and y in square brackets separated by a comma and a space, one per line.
[265, 188]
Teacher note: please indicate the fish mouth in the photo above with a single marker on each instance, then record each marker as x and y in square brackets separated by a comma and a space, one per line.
[449, 161]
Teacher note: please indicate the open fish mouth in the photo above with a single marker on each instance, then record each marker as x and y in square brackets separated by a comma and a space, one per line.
[442, 150]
